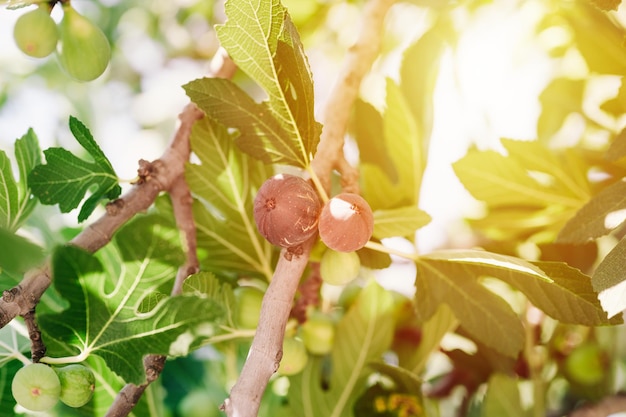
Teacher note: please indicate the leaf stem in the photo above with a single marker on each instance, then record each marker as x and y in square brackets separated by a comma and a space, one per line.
[382, 248]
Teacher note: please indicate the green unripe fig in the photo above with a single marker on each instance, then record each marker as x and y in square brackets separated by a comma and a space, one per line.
[339, 268]
[198, 403]
[35, 33]
[294, 357]
[249, 301]
[84, 51]
[36, 387]
[77, 384]
[586, 364]
[318, 334]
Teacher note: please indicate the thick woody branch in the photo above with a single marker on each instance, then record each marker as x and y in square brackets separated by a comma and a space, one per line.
[267, 345]
[359, 60]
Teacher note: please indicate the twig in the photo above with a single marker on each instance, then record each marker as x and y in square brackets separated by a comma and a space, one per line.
[267, 345]
[358, 62]
[180, 195]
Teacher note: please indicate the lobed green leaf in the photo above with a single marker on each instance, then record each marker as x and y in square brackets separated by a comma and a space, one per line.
[224, 184]
[16, 203]
[106, 294]
[65, 178]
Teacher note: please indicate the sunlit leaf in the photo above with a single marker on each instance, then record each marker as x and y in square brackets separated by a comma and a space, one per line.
[607, 5]
[362, 336]
[261, 39]
[433, 331]
[559, 99]
[609, 280]
[484, 315]
[562, 292]
[104, 317]
[531, 189]
[402, 141]
[616, 106]
[224, 184]
[502, 397]
[403, 221]
[603, 213]
[617, 149]
[65, 178]
[604, 51]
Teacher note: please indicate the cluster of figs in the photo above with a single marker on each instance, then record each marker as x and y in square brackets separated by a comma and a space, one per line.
[82, 48]
[288, 212]
[39, 387]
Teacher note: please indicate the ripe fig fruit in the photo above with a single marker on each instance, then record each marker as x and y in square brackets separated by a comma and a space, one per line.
[294, 357]
[36, 387]
[249, 301]
[84, 51]
[36, 33]
[339, 268]
[77, 384]
[346, 222]
[286, 210]
[318, 334]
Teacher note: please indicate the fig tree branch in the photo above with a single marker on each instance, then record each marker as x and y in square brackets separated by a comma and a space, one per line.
[266, 350]
[358, 61]
[267, 345]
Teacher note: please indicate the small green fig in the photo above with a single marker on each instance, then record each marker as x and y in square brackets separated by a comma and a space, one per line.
[36, 387]
[339, 268]
[77, 384]
[587, 364]
[84, 51]
[198, 403]
[249, 300]
[294, 357]
[35, 32]
[318, 334]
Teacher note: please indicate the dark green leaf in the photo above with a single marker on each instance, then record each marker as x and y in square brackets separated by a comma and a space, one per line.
[105, 294]
[18, 254]
[15, 200]
[65, 179]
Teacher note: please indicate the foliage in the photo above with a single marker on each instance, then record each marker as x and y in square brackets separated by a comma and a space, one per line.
[507, 310]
